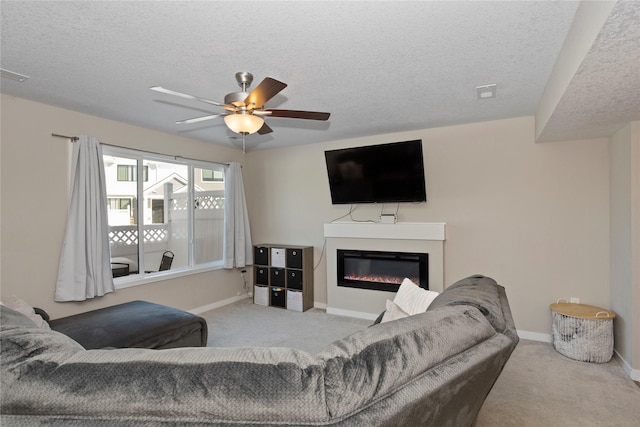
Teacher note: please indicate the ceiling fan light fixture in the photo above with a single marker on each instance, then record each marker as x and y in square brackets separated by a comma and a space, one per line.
[243, 123]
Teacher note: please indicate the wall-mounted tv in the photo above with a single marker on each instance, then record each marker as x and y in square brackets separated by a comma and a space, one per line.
[382, 173]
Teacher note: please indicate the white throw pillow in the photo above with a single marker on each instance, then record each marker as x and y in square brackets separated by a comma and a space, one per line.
[413, 299]
[23, 307]
[393, 312]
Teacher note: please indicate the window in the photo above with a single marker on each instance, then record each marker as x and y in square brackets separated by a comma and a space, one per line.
[167, 206]
[129, 173]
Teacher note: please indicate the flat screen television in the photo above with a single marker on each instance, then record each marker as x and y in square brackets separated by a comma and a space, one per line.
[382, 173]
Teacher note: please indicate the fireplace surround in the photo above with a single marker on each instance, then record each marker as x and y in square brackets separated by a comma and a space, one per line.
[427, 238]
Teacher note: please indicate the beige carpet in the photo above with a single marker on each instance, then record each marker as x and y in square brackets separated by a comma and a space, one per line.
[538, 386]
[244, 324]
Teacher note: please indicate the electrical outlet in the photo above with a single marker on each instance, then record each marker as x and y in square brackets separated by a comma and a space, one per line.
[574, 300]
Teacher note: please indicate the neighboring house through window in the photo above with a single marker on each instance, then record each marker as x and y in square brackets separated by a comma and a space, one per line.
[212, 175]
[129, 173]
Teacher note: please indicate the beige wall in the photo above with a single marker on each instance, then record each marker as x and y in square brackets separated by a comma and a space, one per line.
[625, 243]
[35, 186]
[533, 216]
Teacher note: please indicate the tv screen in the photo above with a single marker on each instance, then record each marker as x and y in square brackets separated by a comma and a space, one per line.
[377, 173]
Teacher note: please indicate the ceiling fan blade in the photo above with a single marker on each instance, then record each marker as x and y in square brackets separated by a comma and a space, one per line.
[198, 119]
[265, 129]
[297, 114]
[267, 89]
[193, 97]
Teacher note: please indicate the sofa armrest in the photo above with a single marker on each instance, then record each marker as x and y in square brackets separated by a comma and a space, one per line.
[477, 291]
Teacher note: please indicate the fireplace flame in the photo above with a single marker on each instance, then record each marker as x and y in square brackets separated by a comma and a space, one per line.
[380, 279]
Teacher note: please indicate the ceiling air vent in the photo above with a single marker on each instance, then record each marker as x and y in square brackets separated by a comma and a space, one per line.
[487, 91]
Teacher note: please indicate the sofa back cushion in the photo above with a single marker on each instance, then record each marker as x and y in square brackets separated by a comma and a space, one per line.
[377, 361]
[477, 291]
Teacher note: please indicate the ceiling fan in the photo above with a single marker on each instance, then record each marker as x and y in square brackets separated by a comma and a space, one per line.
[245, 111]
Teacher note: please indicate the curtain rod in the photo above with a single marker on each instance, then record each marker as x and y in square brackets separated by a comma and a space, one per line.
[72, 138]
[75, 138]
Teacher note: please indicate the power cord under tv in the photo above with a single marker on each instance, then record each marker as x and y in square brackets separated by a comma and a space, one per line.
[353, 208]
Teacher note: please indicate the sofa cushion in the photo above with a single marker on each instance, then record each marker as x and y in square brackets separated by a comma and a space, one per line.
[478, 291]
[372, 363]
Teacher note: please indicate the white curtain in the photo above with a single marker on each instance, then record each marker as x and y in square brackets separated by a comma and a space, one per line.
[85, 267]
[238, 251]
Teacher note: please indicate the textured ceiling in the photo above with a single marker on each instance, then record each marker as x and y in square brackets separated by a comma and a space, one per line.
[378, 67]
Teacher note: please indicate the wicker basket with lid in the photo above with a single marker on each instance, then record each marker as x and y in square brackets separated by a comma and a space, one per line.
[583, 332]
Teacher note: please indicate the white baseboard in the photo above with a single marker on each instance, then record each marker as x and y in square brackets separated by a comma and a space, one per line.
[218, 304]
[634, 374]
[534, 336]
[351, 313]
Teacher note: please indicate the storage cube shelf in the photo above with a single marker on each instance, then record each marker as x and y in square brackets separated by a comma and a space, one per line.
[283, 276]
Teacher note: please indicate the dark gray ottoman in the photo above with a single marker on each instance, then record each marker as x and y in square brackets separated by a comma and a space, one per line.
[138, 324]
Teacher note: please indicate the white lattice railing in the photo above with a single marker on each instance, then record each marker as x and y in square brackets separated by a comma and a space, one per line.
[128, 234]
[203, 200]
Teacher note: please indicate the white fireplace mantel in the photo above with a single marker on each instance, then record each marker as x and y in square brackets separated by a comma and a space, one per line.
[401, 230]
[426, 237]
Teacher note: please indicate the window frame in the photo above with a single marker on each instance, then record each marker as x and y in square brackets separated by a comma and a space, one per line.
[140, 157]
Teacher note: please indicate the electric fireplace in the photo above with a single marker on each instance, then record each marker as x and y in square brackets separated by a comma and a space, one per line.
[381, 271]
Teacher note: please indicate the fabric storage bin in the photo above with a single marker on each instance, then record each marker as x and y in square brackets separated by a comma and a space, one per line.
[262, 275]
[583, 332]
[294, 258]
[278, 257]
[277, 276]
[261, 295]
[294, 279]
[278, 297]
[294, 300]
[261, 255]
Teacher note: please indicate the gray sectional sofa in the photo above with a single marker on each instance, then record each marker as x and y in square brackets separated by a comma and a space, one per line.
[431, 369]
